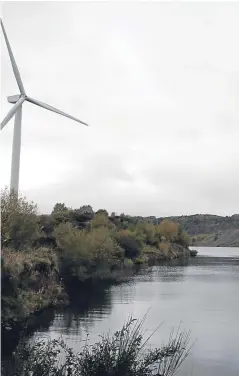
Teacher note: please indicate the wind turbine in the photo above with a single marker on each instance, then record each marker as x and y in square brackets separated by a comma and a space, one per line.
[16, 111]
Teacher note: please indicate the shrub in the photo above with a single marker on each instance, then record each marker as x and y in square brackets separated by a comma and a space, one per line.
[82, 251]
[123, 354]
[128, 263]
[29, 282]
[148, 232]
[82, 216]
[129, 242]
[169, 230]
[183, 238]
[19, 221]
[139, 260]
[102, 211]
[101, 220]
[164, 248]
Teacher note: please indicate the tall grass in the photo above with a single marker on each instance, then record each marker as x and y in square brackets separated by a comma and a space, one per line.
[123, 354]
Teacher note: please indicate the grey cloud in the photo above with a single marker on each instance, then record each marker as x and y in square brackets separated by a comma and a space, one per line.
[159, 84]
[106, 166]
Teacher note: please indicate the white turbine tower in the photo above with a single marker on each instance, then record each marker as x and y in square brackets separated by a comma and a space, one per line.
[16, 110]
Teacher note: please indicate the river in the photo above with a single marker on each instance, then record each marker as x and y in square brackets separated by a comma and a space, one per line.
[202, 296]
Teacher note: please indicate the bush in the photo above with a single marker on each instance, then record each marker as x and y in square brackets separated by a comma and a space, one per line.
[60, 213]
[128, 263]
[148, 233]
[101, 220]
[164, 248]
[168, 230]
[184, 239]
[139, 260]
[19, 221]
[123, 354]
[29, 282]
[129, 242]
[82, 252]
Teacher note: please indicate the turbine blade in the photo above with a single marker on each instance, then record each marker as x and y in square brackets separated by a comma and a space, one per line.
[14, 65]
[53, 109]
[12, 112]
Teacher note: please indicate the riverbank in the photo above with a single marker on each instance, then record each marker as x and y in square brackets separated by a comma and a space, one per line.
[44, 254]
[167, 292]
[31, 281]
[23, 313]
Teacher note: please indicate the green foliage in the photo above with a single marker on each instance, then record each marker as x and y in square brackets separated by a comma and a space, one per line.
[139, 260]
[82, 252]
[19, 221]
[76, 244]
[101, 220]
[183, 238]
[123, 354]
[84, 213]
[82, 216]
[78, 217]
[60, 213]
[59, 208]
[102, 211]
[129, 242]
[148, 232]
[128, 263]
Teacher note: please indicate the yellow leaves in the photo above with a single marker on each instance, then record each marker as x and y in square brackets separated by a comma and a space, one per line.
[101, 220]
[168, 229]
[164, 248]
[125, 233]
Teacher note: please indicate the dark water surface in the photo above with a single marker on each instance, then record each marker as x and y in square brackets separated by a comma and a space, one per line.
[202, 296]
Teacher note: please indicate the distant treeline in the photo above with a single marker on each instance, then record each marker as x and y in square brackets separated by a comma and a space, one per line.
[210, 230]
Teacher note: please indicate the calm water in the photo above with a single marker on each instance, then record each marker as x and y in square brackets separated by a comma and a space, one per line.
[202, 295]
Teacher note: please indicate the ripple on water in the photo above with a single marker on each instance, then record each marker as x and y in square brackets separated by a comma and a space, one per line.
[203, 296]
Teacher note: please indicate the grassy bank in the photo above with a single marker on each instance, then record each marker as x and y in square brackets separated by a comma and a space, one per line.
[123, 354]
[44, 253]
[30, 283]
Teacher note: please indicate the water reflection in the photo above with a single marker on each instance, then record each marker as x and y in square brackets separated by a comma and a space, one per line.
[41, 322]
[88, 306]
[201, 293]
[97, 312]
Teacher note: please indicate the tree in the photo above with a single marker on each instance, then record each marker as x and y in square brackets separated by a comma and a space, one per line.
[59, 208]
[183, 238]
[19, 222]
[102, 211]
[60, 213]
[168, 230]
[82, 216]
[147, 229]
[101, 220]
[129, 242]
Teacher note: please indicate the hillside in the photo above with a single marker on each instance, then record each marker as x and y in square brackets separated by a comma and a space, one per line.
[211, 230]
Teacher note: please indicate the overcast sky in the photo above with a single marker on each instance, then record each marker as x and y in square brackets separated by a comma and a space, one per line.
[159, 85]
